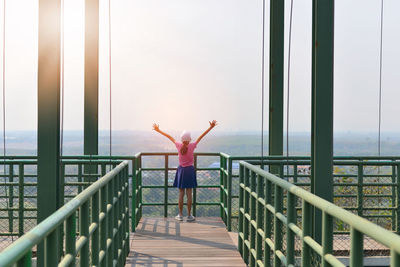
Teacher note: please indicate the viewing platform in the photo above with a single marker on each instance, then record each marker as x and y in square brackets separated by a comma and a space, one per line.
[119, 211]
[167, 242]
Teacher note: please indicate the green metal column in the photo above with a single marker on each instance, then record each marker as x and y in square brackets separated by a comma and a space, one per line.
[91, 101]
[276, 57]
[49, 184]
[322, 102]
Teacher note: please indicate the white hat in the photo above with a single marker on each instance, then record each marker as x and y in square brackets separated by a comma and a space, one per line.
[185, 136]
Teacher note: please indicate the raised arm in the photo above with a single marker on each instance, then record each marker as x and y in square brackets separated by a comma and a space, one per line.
[212, 125]
[156, 128]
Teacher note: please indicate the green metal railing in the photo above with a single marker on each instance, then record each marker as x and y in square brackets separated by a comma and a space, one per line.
[19, 188]
[263, 224]
[146, 178]
[103, 235]
[366, 185]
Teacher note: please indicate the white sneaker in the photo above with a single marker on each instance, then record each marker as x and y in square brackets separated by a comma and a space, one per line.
[190, 218]
[179, 217]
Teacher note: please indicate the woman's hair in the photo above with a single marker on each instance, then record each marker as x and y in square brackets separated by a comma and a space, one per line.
[184, 148]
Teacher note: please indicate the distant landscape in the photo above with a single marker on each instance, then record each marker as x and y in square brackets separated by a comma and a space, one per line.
[233, 143]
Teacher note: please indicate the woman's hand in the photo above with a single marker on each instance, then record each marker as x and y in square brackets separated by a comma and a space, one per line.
[156, 127]
[213, 123]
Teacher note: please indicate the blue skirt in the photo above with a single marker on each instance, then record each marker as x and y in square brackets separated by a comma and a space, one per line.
[185, 177]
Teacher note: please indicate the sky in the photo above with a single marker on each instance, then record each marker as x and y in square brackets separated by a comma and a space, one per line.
[181, 63]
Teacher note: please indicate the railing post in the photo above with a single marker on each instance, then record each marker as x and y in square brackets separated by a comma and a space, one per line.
[245, 219]
[141, 189]
[259, 218]
[110, 224]
[307, 231]
[21, 200]
[133, 189]
[267, 222]
[166, 186]
[95, 235]
[103, 226]
[327, 237]
[26, 260]
[240, 219]
[278, 203]
[393, 197]
[194, 205]
[221, 183]
[252, 217]
[70, 236]
[80, 180]
[84, 232]
[11, 198]
[126, 211]
[229, 206]
[360, 190]
[395, 258]
[291, 219]
[51, 249]
[398, 200]
[356, 250]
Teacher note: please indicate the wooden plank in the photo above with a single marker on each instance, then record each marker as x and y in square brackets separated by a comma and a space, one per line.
[167, 242]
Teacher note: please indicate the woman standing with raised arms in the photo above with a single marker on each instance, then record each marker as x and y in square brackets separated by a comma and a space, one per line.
[185, 178]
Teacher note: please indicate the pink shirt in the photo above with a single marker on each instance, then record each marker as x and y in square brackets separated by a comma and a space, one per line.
[187, 159]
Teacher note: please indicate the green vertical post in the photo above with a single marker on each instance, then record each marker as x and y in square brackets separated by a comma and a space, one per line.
[327, 237]
[322, 165]
[26, 260]
[246, 223]
[291, 219]
[70, 236]
[166, 186]
[307, 231]
[357, 248]
[51, 250]
[398, 200]
[221, 192]
[48, 199]
[360, 189]
[91, 95]
[103, 226]
[11, 198]
[229, 188]
[278, 203]
[21, 200]
[95, 236]
[240, 219]
[253, 230]
[394, 258]
[267, 222]
[276, 77]
[394, 197]
[84, 231]
[194, 205]
[133, 189]
[259, 218]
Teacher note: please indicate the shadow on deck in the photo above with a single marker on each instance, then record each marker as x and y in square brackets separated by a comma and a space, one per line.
[167, 242]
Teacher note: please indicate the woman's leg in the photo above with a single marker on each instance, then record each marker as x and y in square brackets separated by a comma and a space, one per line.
[189, 200]
[180, 202]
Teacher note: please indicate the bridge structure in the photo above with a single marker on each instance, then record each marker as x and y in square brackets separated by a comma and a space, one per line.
[92, 210]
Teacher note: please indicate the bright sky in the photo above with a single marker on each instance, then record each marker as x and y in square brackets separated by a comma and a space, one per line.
[183, 62]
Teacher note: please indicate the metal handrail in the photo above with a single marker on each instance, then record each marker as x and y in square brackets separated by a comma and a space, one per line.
[105, 198]
[256, 204]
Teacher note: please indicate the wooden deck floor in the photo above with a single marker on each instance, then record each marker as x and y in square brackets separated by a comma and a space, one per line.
[167, 242]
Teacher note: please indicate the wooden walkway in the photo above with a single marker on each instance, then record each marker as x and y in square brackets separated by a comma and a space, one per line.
[167, 242]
